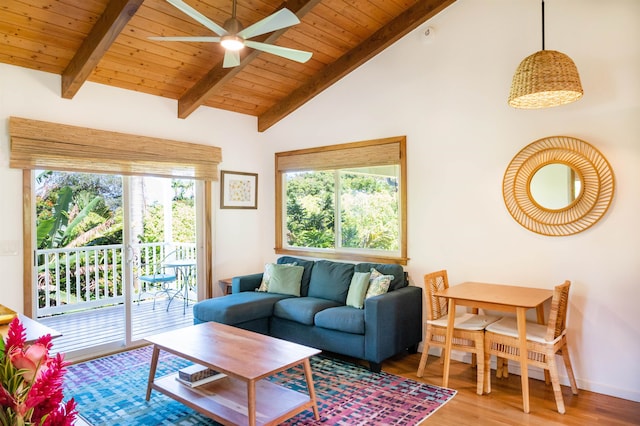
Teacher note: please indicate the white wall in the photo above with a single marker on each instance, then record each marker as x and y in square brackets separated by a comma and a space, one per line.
[448, 95]
[36, 95]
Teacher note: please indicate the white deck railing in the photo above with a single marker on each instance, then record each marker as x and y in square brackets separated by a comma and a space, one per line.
[72, 279]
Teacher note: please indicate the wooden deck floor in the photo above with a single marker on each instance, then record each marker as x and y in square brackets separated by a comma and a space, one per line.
[98, 327]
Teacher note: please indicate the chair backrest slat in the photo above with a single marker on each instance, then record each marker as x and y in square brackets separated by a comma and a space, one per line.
[558, 312]
[437, 307]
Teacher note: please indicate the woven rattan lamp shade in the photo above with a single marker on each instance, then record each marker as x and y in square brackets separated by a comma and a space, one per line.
[545, 79]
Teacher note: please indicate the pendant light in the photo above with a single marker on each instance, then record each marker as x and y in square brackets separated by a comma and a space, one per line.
[545, 79]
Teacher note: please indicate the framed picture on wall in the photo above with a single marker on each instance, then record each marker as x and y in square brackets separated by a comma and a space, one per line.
[238, 190]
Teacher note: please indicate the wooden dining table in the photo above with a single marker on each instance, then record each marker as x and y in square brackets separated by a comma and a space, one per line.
[496, 297]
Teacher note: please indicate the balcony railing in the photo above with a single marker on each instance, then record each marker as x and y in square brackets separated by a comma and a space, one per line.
[73, 279]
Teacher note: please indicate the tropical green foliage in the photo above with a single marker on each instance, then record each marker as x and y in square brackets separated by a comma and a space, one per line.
[183, 225]
[310, 209]
[80, 210]
[368, 210]
[75, 210]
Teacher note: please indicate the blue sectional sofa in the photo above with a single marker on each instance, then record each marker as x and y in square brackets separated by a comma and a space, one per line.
[318, 313]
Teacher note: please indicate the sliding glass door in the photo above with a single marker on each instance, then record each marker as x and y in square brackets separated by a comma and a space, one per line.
[162, 253]
[116, 257]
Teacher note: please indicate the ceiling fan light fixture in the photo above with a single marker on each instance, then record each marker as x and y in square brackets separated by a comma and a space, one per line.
[545, 79]
[233, 36]
[232, 42]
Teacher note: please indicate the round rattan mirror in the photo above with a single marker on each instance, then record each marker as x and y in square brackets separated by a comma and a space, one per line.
[589, 181]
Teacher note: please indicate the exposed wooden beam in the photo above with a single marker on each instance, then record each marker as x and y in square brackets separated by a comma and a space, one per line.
[380, 40]
[104, 32]
[215, 79]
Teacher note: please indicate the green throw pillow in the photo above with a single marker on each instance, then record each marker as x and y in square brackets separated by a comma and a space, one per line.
[358, 289]
[285, 279]
[266, 275]
[378, 283]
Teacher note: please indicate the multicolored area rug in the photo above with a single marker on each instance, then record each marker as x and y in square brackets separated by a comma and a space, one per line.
[110, 391]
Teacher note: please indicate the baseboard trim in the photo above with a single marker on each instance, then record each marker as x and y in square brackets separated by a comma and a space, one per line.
[538, 374]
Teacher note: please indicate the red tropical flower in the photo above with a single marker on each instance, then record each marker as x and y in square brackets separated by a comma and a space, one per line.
[30, 360]
[31, 382]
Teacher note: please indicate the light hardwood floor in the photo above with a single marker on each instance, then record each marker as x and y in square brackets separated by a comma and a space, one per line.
[504, 405]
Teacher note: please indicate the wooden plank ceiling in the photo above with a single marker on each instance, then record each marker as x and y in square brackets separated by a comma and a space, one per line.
[106, 41]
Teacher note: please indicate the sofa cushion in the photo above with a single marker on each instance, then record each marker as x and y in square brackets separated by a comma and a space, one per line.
[237, 308]
[358, 289]
[378, 283]
[330, 280]
[301, 309]
[285, 279]
[306, 275]
[268, 271]
[342, 318]
[385, 269]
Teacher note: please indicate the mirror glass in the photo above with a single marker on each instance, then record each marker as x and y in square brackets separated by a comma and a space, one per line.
[555, 186]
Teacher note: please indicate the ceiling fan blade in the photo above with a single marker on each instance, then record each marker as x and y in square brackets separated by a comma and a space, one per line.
[293, 54]
[198, 16]
[205, 39]
[231, 59]
[281, 19]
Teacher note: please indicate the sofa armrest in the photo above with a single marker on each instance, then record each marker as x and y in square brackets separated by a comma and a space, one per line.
[246, 283]
[393, 323]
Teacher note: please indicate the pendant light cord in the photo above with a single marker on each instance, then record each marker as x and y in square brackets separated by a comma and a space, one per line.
[542, 24]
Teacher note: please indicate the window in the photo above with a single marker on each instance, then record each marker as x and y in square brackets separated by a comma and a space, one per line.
[343, 201]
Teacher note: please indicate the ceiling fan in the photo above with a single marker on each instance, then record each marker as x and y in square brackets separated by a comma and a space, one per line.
[233, 36]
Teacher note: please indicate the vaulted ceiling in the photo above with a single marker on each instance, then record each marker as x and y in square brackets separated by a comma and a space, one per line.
[107, 42]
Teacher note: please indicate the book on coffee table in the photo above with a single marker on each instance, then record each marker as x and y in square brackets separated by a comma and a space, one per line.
[196, 375]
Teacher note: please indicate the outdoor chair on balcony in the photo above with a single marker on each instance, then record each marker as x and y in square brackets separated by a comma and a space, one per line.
[159, 281]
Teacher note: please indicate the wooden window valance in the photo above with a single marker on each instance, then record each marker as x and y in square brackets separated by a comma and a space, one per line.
[51, 146]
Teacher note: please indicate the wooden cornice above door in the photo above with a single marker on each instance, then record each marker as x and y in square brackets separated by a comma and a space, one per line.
[107, 42]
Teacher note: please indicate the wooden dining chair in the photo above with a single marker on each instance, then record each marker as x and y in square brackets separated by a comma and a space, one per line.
[544, 341]
[468, 334]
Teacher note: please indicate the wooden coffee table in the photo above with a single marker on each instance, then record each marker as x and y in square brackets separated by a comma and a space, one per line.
[246, 358]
